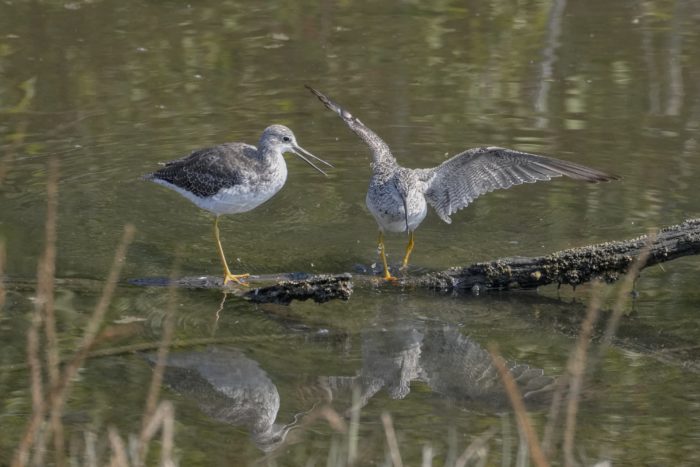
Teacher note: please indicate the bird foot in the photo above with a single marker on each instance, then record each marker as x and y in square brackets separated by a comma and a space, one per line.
[390, 278]
[228, 277]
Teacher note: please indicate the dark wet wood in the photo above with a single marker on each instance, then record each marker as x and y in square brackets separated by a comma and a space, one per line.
[608, 261]
[276, 288]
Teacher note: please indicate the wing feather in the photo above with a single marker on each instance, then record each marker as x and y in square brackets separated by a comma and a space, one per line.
[206, 171]
[457, 182]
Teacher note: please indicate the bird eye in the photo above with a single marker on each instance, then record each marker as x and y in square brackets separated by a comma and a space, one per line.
[286, 139]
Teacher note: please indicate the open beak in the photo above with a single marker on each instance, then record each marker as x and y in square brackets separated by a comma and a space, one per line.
[306, 156]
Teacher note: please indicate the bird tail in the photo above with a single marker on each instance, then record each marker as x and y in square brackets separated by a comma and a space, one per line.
[330, 105]
[403, 189]
[405, 212]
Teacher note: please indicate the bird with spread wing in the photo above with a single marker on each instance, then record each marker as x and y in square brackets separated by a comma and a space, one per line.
[398, 196]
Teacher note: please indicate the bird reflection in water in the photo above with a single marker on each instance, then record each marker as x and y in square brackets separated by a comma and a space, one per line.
[231, 388]
[443, 358]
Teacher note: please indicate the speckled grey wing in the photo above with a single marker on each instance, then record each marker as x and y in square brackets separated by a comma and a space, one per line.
[206, 171]
[377, 145]
[455, 183]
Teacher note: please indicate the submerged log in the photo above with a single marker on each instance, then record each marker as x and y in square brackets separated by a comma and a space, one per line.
[608, 261]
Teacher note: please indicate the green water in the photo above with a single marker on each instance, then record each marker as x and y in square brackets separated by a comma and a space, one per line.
[111, 88]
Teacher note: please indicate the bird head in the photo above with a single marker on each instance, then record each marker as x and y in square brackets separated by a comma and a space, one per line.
[280, 138]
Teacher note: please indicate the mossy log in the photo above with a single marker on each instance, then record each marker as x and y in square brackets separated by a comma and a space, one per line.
[277, 288]
[608, 261]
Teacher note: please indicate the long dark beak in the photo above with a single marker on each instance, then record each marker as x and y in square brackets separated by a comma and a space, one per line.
[303, 154]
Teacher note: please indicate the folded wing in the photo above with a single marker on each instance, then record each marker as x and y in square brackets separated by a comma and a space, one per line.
[206, 171]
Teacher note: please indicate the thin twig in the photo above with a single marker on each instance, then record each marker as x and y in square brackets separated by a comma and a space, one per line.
[553, 414]
[119, 458]
[162, 355]
[3, 260]
[44, 301]
[474, 447]
[167, 443]
[48, 266]
[52, 352]
[391, 440]
[427, 456]
[506, 440]
[623, 294]
[163, 419]
[97, 317]
[90, 449]
[577, 367]
[353, 433]
[59, 393]
[521, 414]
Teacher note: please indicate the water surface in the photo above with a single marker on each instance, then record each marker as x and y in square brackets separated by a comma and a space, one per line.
[110, 89]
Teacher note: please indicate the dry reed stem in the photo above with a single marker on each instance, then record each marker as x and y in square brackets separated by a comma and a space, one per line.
[577, 362]
[523, 454]
[167, 444]
[21, 456]
[90, 449]
[427, 456]
[43, 310]
[52, 352]
[162, 355]
[576, 368]
[59, 393]
[474, 447]
[353, 433]
[328, 413]
[97, 317]
[506, 438]
[521, 414]
[163, 420]
[623, 295]
[120, 457]
[391, 440]
[48, 271]
[553, 414]
[3, 259]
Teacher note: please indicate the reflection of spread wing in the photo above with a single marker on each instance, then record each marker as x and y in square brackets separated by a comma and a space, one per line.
[457, 366]
[455, 183]
[206, 171]
[376, 144]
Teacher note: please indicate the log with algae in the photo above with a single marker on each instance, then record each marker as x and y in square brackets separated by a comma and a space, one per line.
[575, 266]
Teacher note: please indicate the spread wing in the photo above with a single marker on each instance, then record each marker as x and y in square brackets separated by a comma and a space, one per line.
[455, 183]
[206, 171]
[379, 148]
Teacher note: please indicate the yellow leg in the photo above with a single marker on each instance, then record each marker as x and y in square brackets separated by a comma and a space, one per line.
[409, 249]
[387, 274]
[228, 277]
